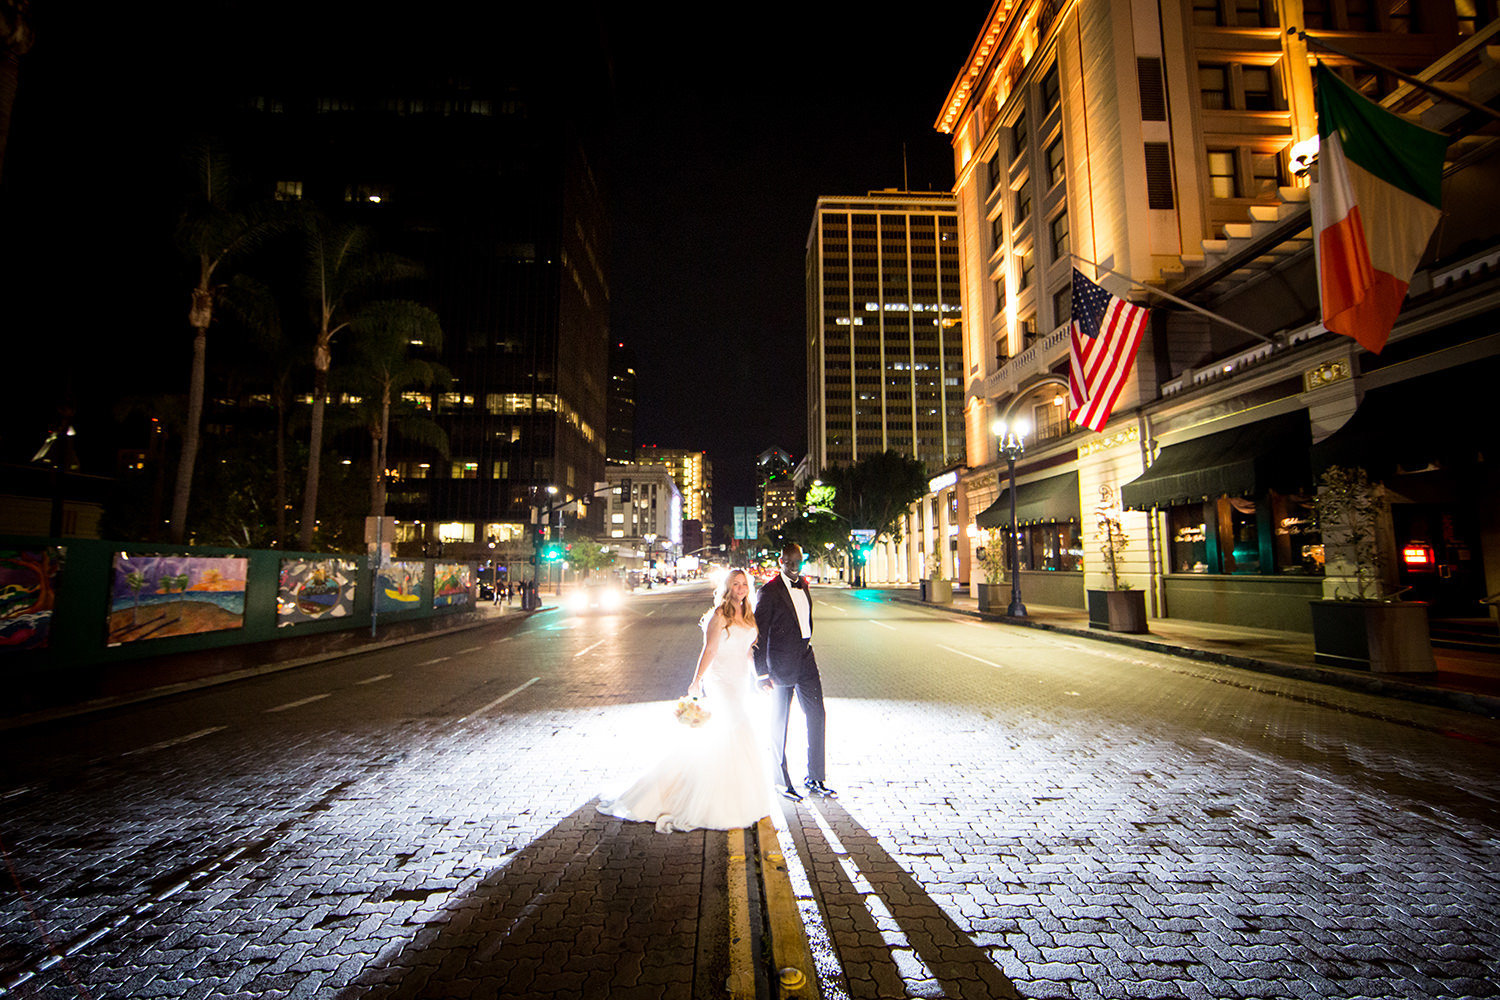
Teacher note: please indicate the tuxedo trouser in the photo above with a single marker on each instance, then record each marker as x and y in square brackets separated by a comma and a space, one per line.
[809, 692]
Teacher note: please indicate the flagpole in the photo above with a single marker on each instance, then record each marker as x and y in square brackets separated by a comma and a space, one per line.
[1430, 88]
[1172, 298]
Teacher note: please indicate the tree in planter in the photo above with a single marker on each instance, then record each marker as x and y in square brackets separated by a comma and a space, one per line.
[1349, 509]
[1113, 541]
[588, 556]
[992, 556]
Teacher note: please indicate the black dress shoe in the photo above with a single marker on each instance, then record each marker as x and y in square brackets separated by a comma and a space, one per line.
[791, 793]
[818, 788]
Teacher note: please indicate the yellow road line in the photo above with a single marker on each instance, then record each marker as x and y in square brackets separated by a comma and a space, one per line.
[791, 957]
[741, 943]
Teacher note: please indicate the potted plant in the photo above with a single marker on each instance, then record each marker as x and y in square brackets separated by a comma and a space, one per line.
[1118, 607]
[939, 589]
[1360, 623]
[991, 559]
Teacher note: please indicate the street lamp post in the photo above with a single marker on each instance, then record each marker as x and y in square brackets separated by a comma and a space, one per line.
[1013, 445]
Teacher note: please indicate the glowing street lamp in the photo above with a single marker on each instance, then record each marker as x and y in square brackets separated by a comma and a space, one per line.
[1013, 445]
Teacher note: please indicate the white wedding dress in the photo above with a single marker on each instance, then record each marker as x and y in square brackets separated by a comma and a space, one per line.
[718, 775]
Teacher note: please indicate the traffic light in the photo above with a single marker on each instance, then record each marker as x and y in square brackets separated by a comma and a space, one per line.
[552, 551]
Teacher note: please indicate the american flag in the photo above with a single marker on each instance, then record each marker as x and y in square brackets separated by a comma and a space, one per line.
[1106, 333]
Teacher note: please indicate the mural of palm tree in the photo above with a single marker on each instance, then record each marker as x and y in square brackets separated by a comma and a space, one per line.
[135, 580]
[383, 370]
[215, 237]
[342, 267]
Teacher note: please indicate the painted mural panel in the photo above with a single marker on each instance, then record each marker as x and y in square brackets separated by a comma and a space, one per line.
[314, 590]
[152, 597]
[400, 586]
[454, 585]
[28, 594]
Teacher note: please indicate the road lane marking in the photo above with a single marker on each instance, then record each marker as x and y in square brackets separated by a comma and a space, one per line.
[834, 607]
[499, 641]
[428, 663]
[164, 744]
[988, 663]
[297, 704]
[372, 680]
[585, 649]
[882, 624]
[509, 694]
[471, 649]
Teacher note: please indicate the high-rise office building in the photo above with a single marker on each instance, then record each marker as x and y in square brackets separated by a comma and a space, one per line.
[474, 159]
[884, 329]
[620, 402]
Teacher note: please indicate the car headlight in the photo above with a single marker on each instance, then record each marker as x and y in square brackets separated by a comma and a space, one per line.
[578, 600]
[611, 599]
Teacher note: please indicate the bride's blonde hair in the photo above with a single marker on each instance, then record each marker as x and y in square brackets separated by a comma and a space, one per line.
[724, 602]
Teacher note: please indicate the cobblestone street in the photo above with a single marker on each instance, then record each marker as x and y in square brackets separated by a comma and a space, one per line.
[1020, 814]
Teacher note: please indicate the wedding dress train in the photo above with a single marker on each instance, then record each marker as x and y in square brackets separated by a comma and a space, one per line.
[717, 776]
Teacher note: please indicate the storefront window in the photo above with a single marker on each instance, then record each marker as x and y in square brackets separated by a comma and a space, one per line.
[1056, 547]
[1242, 537]
[1244, 533]
[1189, 540]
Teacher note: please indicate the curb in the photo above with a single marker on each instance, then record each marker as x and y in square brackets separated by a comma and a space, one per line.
[1462, 701]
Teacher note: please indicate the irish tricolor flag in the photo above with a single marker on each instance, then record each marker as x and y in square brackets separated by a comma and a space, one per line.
[1377, 200]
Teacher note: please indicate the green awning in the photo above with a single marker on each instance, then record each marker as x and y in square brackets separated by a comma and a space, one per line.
[1244, 461]
[1047, 500]
[1439, 420]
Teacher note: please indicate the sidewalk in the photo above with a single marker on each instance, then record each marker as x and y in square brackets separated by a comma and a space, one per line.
[1465, 681]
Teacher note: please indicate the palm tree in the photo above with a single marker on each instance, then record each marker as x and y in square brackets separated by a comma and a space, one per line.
[214, 237]
[341, 267]
[15, 41]
[384, 368]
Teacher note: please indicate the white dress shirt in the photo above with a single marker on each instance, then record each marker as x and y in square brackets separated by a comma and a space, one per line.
[802, 604]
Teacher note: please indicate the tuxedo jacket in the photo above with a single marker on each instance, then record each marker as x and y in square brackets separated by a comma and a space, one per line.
[780, 651]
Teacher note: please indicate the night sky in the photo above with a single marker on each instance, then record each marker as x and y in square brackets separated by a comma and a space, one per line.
[724, 145]
[726, 133]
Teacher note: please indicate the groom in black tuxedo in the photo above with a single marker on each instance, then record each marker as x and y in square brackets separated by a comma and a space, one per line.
[784, 665]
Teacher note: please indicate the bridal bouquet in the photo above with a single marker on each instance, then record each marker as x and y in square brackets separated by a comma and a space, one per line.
[690, 712]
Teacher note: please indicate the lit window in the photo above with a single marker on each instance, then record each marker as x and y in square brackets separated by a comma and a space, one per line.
[1221, 177]
[1055, 165]
[288, 190]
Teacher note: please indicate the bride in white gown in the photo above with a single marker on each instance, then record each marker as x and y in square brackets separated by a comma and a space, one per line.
[717, 777]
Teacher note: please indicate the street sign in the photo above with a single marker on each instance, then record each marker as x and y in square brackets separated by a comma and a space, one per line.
[866, 535]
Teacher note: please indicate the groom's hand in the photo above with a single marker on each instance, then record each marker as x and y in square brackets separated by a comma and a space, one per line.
[765, 684]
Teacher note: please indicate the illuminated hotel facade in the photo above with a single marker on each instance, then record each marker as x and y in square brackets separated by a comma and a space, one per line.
[884, 322]
[1157, 142]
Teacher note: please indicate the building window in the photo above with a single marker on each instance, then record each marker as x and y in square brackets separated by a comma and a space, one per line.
[1055, 166]
[1023, 203]
[997, 232]
[1254, 14]
[994, 166]
[1188, 533]
[999, 295]
[1025, 265]
[288, 190]
[1315, 13]
[1258, 93]
[1265, 173]
[1274, 534]
[1221, 174]
[1060, 237]
[1206, 13]
[1062, 306]
[1051, 547]
[1018, 134]
[1051, 93]
[1213, 85]
[465, 469]
[1398, 17]
[1357, 15]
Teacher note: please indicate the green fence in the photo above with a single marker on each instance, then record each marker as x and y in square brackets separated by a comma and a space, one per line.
[67, 603]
